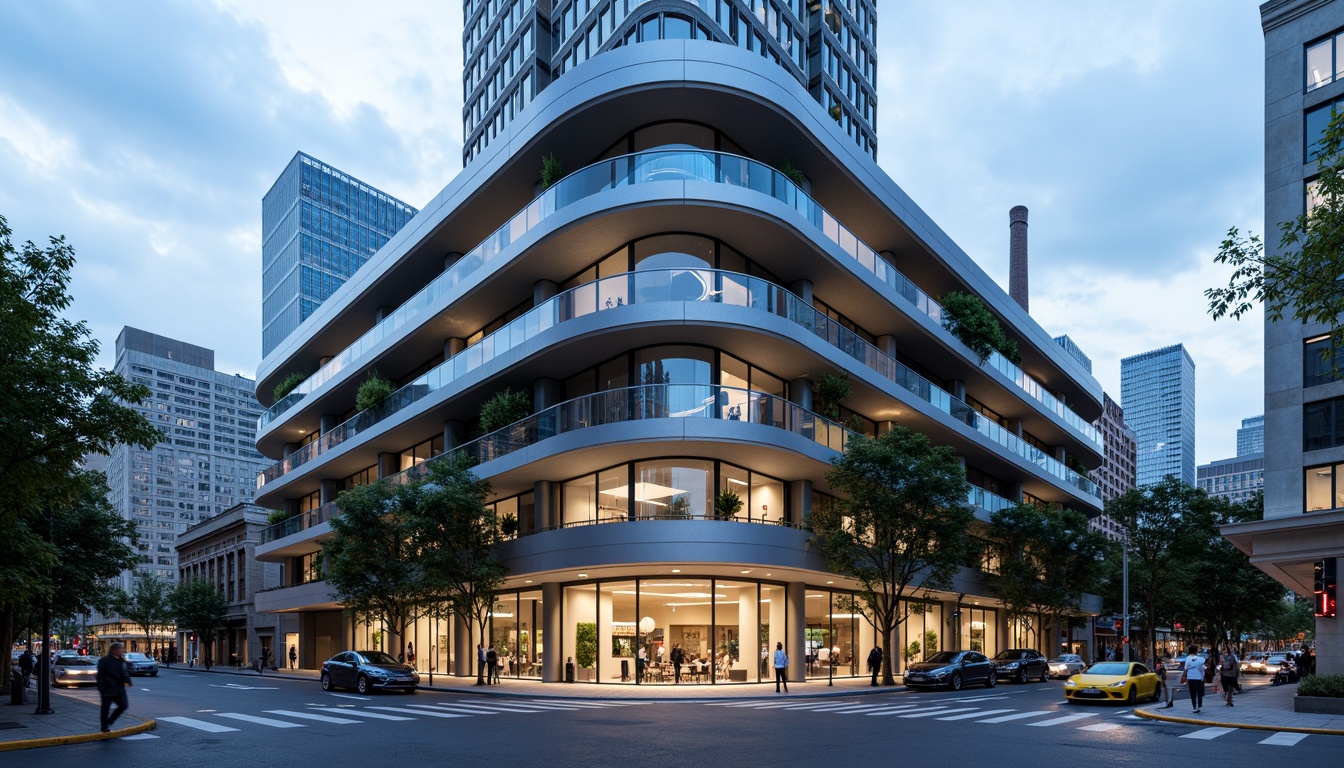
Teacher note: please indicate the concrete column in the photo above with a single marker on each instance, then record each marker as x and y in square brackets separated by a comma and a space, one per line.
[454, 434]
[545, 393]
[802, 289]
[796, 644]
[1014, 494]
[321, 361]
[800, 393]
[1015, 426]
[749, 622]
[464, 651]
[381, 314]
[388, 464]
[327, 423]
[453, 347]
[951, 634]
[1061, 454]
[800, 502]
[959, 389]
[543, 499]
[289, 448]
[329, 490]
[450, 258]
[553, 670]
[883, 427]
[543, 290]
[887, 343]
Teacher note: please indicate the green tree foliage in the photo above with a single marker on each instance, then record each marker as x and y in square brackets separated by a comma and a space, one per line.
[552, 170]
[967, 318]
[902, 525]
[147, 606]
[197, 606]
[1285, 620]
[288, 384]
[504, 408]
[373, 392]
[585, 644]
[792, 172]
[1302, 279]
[726, 505]
[829, 391]
[1048, 559]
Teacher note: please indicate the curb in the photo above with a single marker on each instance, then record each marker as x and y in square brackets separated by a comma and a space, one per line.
[81, 738]
[1245, 726]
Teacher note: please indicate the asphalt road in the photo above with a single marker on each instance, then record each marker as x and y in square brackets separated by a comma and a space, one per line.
[226, 720]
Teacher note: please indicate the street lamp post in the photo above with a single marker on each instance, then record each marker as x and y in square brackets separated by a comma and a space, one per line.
[1125, 588]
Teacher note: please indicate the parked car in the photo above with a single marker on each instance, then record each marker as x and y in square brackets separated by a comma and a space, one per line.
[1021, 665]
[141, 664]
[367, 671]
[1067, 665]
[74, 670]
[952, 669]
[1254, 662]
[1126, 681]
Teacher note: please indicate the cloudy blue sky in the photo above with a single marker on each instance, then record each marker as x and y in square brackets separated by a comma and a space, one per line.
[147, 132]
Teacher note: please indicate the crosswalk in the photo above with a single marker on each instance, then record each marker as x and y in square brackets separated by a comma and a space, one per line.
[214, 722]
[990, 710]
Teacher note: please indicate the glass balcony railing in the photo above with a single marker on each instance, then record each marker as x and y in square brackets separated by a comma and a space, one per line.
[681, 286]
[640, 403]
[642, 168]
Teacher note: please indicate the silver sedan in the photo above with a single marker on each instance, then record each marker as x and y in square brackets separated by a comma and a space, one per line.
[1067, 665]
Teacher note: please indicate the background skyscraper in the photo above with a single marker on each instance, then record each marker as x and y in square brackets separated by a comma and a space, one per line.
[318, 225]
[512, 51]
[1251, 436]
[1157, 391]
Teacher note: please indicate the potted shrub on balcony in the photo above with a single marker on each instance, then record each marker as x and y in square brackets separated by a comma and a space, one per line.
[288, 384]
[968, 319]
[508, 525]
[373, 392]
[726, 505]
[552, 170]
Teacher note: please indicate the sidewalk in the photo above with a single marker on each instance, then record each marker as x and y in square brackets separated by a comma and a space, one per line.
[1264, 708]
[74, 721]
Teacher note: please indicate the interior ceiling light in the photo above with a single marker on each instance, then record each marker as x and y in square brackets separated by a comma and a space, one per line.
[645, 492]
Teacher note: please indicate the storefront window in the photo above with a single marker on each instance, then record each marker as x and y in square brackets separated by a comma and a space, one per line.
[580, 632]
[735, 611]
[504, 633]
[617, 632]
[529, 633]
[922, 632]
[979, 630]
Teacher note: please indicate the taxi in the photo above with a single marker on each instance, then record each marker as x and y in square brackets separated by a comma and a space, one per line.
[1124, 681]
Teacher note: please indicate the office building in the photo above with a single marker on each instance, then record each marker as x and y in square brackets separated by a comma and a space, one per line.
[318, 226]
[1076, 351]
[1117, 473]
[1303, 526]
[514, 50]
[1236, 479]
[667, 306]
[1251, 436]
[1157, 391]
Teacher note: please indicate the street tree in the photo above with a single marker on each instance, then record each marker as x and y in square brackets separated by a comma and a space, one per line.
[147, 606]
[1300, 278]
[1047, 560]
[901, 526]
[198, 606]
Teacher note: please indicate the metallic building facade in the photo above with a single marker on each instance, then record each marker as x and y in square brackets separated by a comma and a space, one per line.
[318, 225]
[1157, 391]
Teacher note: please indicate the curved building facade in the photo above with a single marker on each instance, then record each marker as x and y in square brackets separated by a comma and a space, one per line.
[667, 305]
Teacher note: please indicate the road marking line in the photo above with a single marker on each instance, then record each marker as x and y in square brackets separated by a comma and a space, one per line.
[494, 708]
[139, 736]
[312, 716]
[1062, 720]
[940, 711]
[1208, 733]
[199, 725]
[587, 704]
[833, 707]
[1284, 739]
[1018, 716]
[975, 698]
[977, 714]
[852, 709]
[452, 708]
[894, 709]
[424, 712]
[548, 707]
[375, 715]
[350, 696]
[260, 720]
[1100, 727]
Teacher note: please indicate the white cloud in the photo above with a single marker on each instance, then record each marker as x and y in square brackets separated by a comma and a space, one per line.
[42, 149]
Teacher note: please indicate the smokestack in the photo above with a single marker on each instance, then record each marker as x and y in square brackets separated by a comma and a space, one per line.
[1017, 255]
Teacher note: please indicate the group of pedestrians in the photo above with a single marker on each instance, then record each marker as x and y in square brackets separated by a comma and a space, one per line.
[487, 661]
[1197, 671]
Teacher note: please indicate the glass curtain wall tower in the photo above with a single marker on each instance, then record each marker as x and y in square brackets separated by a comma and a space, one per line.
[513, 49]
[719, 242]
[1157, 391]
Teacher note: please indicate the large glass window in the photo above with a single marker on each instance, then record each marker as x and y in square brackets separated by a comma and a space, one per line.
[617, 632]
[1323, 424]
[921, 634]
[1319, 362]
[674, 489]
[979, 630]
[1324, 488]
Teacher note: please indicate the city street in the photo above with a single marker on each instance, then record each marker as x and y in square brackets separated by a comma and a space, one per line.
[249, 721]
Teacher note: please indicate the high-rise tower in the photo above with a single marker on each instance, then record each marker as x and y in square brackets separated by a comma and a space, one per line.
[1157, 391]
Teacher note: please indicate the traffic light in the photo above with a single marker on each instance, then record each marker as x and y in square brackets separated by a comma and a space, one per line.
[1325, 588]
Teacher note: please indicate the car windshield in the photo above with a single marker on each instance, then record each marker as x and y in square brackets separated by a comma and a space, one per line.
[943, 657]
[75, 661]
[136, 657]
[1009, 655]
[377, 657]
[1062, 659]
[1109, 668]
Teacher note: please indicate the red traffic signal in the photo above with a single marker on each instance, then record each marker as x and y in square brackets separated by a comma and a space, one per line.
[1125, 640]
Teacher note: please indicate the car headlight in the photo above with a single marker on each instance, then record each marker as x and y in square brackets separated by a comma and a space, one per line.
[1011, 665]
[1071, 683]
[1120, 684]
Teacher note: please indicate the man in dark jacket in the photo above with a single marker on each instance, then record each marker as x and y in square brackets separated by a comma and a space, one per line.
[26, 663]
[875, 661]
[113, 680]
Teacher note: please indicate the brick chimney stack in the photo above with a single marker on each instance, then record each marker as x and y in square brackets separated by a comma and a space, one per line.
[1017, 255]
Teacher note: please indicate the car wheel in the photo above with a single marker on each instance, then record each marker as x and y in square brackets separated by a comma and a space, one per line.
[362, 684]
[155, 673]
[1021, 678]
[1045, 675]
[1133, 697]
[992, 680]
[410, 690]
[955, 684]
[326, 682]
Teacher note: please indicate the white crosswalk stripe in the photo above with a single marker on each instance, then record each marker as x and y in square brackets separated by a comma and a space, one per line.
[1208, 733]
[939, 711]
[267, 721]
[892, 710]
[139, 737]
[425, 713]
[1101, 727]
[1018, 716]
[977, 713]
[374, 715]
[313, 716]
[199, 725]
[1061, 720]
[1284, 739]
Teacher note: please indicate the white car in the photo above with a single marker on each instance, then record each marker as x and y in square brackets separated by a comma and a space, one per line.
[1067, 665]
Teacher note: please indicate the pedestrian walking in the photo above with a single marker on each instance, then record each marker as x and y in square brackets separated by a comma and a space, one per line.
[1231, 670]
[480, 664]
[1192, 676]
[113, 680]
[26, 664]
[293, 657]
[781, 668]
[491, 664]
[678, 656]
[875, 661]
[410, 654]
[641, 661]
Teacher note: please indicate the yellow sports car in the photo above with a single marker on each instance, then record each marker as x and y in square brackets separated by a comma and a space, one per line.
[1126, 681]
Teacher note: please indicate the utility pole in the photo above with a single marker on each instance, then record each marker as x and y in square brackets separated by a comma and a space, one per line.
[1125, 582]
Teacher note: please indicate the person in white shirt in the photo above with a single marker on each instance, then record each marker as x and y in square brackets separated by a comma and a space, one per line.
[781, 667]
[1193, 677]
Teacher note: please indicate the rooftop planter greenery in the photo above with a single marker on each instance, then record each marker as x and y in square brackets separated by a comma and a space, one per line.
[552, 170]
[504, 408]
[793, 172]
[288, 384]
[373, 392]
[828, 392]
[967, 318]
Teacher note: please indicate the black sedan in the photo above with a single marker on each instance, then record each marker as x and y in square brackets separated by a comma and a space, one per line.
[1022, 664]
[367, 671]
[952, 669]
